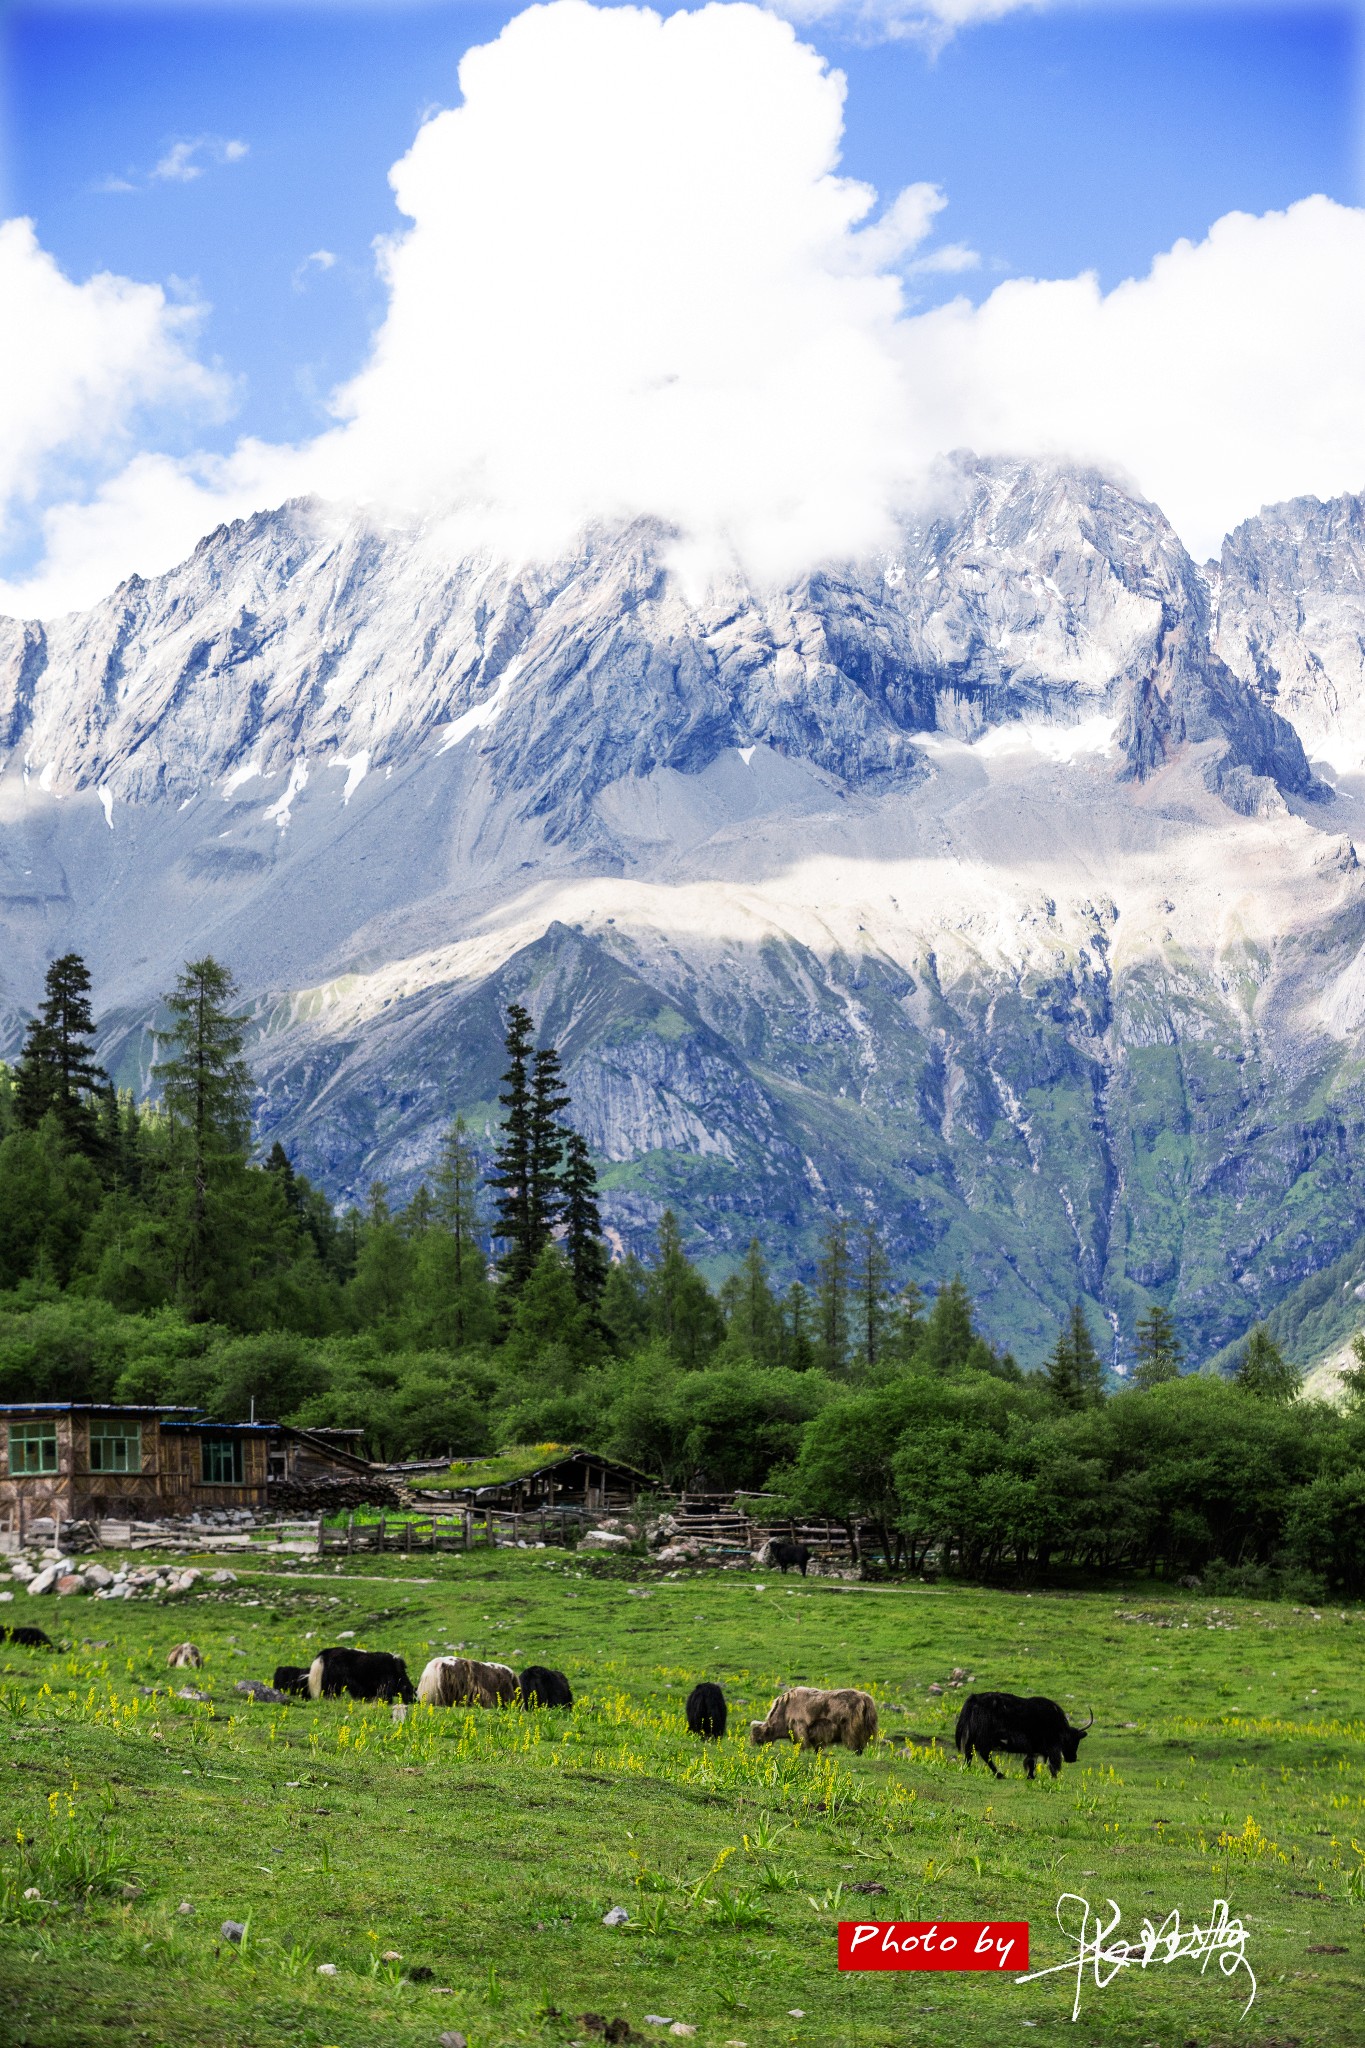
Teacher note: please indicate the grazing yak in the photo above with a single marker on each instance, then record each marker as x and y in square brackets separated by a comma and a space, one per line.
[465, 1682]
[541, 1687]
[27, 1638]
[291, 1678]
[818, 1719]
[706, 1711]
[364, 1674]
[1029, 1728]
[784, 1554]
[184, 1654]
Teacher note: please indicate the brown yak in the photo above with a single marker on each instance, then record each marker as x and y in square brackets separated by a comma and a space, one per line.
[818, 1719]
[464, 1682]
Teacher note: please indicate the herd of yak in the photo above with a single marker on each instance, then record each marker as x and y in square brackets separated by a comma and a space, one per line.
[813, 1717]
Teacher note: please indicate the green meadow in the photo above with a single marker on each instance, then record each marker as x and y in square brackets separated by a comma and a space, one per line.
[449, 1873]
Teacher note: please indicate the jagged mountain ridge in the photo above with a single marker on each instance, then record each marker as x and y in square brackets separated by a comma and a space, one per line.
[976, 888]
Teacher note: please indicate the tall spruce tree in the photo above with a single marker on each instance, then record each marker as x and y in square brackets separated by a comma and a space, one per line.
[1074, 1374]
[57, 1073]
[1265, 1372]
[834, 1273]
[871, 1278]
[549, 1100]
[511, 1177]
[1159, 1352]
[584, 1244]
[206, 1093]
[457, 1200]
[798, 1350]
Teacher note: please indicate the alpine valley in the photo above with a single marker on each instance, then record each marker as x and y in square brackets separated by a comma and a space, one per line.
[1002, 889]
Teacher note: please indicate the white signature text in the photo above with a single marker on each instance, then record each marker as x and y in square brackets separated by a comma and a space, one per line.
[1099, 1956]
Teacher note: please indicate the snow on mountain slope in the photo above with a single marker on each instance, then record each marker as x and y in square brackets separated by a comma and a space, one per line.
[1290, 612]
[973, 888]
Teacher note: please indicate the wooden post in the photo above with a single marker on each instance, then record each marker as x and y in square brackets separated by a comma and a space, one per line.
[469, 1528]
[383, 1530]
[322, 1537]
[407, 1545]
[350, 1534]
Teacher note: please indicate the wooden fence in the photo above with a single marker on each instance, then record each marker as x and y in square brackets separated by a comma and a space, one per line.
[459, 1528]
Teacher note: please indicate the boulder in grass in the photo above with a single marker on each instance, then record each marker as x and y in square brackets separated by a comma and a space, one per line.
[97, 1577]
[266, 1695]
[604, 1539]
[70, 1582]
[44, 1581]
[233, 1930]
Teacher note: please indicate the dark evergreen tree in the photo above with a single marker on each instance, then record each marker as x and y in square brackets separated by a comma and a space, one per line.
[1074, 1374]
[57, 1073]
[682, 1309]
[1265, 1372]
[834, 1275]
[1159, 1350]
[420, 1213]
[753, 1319]
[871, 1277]
[549, 1100]
[513, 1169]
[798, 1350]
[947, 1342]
[907, 1328]
[457, 1201]
[206, 1095]
[584, 1244]
[278, 1163]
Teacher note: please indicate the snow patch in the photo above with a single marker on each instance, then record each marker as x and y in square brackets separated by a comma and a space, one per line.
[1095, 735]
[279, 811]
[746, 755]
[107, 800]
[479, 715]
[357, 767]
[238, 776]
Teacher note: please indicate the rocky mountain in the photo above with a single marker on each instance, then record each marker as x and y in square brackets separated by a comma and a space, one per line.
[988, 888]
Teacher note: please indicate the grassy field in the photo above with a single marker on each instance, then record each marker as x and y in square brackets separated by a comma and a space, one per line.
[477, 1853]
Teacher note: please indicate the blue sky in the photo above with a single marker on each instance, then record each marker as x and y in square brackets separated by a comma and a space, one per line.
[1064, 141]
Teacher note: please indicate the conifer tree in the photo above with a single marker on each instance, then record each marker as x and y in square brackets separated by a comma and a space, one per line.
[832, 1296]
[512, 1169]
[1264, 1371]
[752, 1315]
[872, 1272]
[57, 1072]
[549, 1100]
[1074, 1374]
[946, 1344]
[584, 1244]
[1159, 1349]
[457, 1200]
[798, 1351]
[682, 1310]
[206, 1094]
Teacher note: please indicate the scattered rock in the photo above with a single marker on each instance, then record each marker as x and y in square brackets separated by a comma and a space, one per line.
[256, 1689]
[392, 1955]
[190, 1692]
[185, 1654]
[452, 2038]
[184, 1907]
[6, 1594]
[327, 1969]
[33, 1892]
[604, 1539]
[870, 1886]
[936, 1688]
[681, 2027]
[44, 1581]
[794, 2012]
[68, 1583]
[658, 2019]
[617, 1917]
[227, 1578]
[233, 1930]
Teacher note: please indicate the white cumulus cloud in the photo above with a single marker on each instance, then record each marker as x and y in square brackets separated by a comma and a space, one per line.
[630, 278]
[80, 362]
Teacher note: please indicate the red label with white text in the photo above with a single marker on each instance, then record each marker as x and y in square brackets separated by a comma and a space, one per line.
[933, 1944]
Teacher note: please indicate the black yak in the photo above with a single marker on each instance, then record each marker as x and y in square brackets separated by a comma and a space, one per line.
[706, 1711]
[542, 1687]
[1029, 1728]
[291, 1678]
[27, 1638]
[364, 1674]
[784, 1554]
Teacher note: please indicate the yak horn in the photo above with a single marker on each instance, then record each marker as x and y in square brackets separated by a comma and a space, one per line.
[1091, 1721]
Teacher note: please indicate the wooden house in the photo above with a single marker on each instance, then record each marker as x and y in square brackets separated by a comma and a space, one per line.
[63, 1461]
[577, 1478]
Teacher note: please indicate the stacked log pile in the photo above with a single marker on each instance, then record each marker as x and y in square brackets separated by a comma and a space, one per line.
[330, 1496]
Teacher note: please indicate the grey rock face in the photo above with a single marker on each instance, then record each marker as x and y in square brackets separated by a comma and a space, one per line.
[1290, 619]
[984, 890]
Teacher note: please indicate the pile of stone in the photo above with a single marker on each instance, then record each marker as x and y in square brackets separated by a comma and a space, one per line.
[64, 1576]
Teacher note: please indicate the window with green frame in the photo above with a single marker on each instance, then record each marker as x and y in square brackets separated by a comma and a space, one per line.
[221, 1460]
[115, 1444]
[32, 1448]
